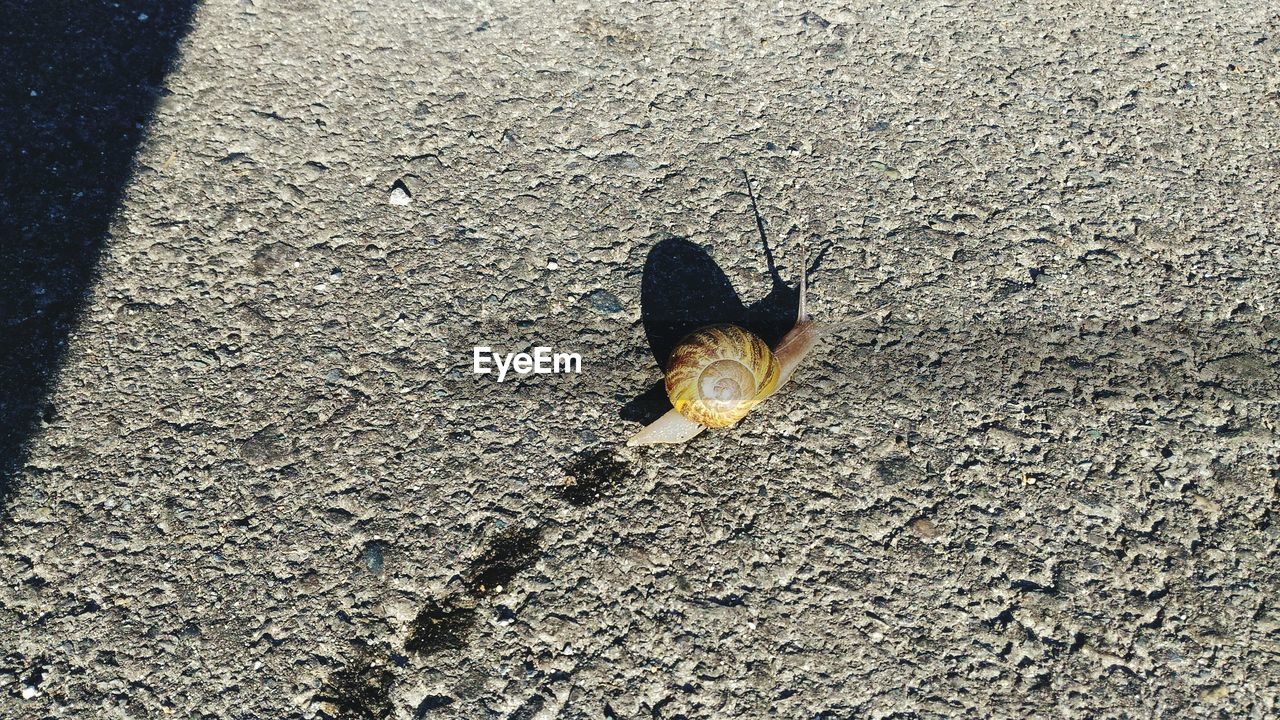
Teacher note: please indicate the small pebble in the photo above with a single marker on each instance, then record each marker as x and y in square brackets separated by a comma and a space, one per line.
[604, 301]
[399, 197]
[373, 557]
[553, 265]
[924, 528]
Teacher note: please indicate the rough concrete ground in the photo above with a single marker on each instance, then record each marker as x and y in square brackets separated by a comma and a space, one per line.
[1042, 481]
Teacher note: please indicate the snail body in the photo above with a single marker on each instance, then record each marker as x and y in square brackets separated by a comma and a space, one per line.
[717, 374]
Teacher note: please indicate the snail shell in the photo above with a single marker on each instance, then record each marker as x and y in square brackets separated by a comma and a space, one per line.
[717, 374]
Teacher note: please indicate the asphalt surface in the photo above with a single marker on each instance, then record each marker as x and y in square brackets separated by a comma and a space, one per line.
[1039, 478]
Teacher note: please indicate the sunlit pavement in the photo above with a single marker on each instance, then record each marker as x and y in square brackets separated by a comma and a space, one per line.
[1039, 478]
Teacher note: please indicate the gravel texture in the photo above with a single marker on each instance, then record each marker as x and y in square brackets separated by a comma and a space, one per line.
[1032, 470]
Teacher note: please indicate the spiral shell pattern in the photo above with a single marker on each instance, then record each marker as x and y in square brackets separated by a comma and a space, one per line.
[717, 374]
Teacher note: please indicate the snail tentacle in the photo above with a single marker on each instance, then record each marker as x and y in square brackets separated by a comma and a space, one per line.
[794, 346]
[802, 314]
[803, 336]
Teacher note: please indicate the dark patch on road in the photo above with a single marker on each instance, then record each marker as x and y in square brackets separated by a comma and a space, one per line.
[440, 625]
[446, 623]
[508, 553]
[592, 476]
[360, 691]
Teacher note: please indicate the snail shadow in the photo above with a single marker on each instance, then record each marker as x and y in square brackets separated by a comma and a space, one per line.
[683, 289]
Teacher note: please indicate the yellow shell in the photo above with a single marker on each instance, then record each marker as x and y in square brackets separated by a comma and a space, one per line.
[717, 374]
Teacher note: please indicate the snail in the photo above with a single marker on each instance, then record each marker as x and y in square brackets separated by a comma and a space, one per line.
[717, 374]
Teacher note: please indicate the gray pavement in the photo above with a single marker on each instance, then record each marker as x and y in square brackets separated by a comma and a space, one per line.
[1041, 480]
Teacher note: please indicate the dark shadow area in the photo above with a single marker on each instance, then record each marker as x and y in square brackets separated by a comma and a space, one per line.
[683, 289]
[79, 85]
